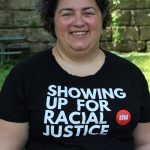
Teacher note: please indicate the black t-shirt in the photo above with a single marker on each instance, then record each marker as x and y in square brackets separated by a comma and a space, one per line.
[68, 112]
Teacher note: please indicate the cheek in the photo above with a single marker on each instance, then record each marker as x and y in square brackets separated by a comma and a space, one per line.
[95, 24]
[61, 26]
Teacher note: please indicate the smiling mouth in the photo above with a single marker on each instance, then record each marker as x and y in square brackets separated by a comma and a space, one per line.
[79, 33]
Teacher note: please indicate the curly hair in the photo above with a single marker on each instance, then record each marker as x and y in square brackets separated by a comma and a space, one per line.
[47, 8]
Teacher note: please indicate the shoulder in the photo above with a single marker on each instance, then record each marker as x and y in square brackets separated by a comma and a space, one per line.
[35, 61]
[120, 62]
[37, 58]
[123, 66]
[30, 67]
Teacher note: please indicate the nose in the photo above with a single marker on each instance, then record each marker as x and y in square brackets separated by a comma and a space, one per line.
[79, 20]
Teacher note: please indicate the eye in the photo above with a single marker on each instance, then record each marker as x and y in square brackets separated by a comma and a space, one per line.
[89, 13]
[67, 14]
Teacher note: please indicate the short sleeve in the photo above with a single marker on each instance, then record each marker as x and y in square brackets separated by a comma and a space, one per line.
[12, 98]
[145, 108]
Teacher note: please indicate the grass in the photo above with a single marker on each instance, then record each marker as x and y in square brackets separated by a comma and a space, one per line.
[4, 70]
[142, 60]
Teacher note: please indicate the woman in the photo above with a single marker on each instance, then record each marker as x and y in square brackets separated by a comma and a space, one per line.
[75, 96]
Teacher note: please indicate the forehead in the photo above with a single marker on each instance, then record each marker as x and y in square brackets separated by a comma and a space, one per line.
[76, 4]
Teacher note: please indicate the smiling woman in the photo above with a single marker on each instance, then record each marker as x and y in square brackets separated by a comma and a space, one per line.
[78, 29]
[75, 96]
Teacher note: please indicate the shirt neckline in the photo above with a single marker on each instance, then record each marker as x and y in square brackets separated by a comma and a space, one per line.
[61, 71]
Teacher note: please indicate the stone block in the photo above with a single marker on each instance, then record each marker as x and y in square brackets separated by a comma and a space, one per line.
[141, 4]
[4, 4]
[124, 4]
[106, 34]
[145, 33]
[15, 32]
[127, 33]
[123, 17]
[131, 46]
[37, 47]
[11, 32]
[141, 17]
[36, 35]
[106, 45]
[148, 46]
[133, 4]
[5, 19]
[1, 4]
[26, 19]
[22, 4]
[124, 47]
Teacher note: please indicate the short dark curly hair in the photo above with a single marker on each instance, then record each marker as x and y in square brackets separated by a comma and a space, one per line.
[47, 8]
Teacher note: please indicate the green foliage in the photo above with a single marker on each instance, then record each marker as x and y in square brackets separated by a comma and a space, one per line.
[33, 23]
[116, 2]
[115, 23]
[4, 70]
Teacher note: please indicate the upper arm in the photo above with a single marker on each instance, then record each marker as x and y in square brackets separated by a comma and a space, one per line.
[142, 135]
[13, 136]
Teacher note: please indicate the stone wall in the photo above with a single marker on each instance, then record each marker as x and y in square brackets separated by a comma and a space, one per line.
[18, 17]
[134, 27]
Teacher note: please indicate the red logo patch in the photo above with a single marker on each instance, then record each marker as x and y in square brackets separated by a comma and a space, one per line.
[123, 117]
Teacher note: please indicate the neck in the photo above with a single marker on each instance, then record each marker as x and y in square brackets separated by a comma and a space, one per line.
[76, 57]
[80, 66]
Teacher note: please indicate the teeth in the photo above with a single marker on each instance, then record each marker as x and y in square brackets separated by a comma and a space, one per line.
[79, 33]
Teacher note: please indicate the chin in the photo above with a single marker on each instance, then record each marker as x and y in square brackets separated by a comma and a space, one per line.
[79, 49]
[82, 47]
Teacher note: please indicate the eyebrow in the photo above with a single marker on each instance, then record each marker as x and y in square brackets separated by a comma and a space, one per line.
[89, 8]
[71, 9]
